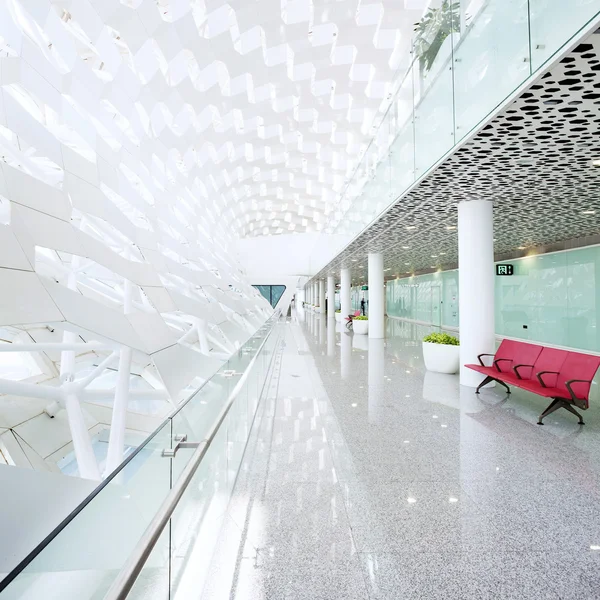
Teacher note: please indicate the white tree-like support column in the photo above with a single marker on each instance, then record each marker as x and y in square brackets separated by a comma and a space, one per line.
[116, 439]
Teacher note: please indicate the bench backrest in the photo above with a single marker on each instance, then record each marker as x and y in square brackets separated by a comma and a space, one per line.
[578, 366]
[506, 350]
[517, 353]
[550, 359]
[526, 354]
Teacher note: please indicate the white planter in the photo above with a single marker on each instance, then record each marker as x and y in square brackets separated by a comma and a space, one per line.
[338, 317]
[441, 358]
[360, 327]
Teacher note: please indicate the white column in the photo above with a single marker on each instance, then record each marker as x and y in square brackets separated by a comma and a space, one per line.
[82, 445]
[116, 439]
[475, 284]
[322, 295]
[376, 292]
[345, 281]
[331, 297]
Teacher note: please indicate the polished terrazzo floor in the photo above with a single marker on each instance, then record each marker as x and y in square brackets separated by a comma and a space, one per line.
[367, 477]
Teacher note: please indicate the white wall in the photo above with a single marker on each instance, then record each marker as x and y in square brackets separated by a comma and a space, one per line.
[279, 255]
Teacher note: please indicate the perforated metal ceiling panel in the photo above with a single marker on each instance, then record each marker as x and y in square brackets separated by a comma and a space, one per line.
[534, 160]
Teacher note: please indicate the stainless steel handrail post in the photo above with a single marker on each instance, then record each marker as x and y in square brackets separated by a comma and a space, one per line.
[122, 585]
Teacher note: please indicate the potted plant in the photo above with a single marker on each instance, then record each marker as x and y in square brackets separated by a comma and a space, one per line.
[431, 33]
[338, 315]
[441, 353]
[360, 325]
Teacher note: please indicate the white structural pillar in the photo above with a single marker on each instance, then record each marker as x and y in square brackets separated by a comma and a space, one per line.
[116, 439]
[345, 281]
[376, 301]
[322, 295]
[331, 297]
[475, 284]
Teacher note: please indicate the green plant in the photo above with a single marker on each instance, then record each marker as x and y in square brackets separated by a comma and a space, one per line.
[361, 318]
[441, 338]
[435, 26]
[339, 310]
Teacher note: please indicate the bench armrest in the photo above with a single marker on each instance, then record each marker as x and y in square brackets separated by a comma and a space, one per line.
[479, 358]
[539, 376]
[500, 360]
[517, 367]
[579, 402]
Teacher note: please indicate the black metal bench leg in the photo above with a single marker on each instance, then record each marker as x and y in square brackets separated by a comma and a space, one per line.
[554, 405]
[487, 380]
[570, 408]
[502, 383]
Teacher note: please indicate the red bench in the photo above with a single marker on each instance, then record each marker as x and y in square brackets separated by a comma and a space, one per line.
[564, 376]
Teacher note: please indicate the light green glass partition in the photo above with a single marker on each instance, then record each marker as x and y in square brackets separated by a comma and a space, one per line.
[84, 555]
[551, 298]
[468, 57]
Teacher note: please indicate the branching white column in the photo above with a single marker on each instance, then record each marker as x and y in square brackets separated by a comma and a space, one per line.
[116, 439]
[82, 444]
[331, 297]
[476, 284]
[322, 295]
[376, 291]
[345, 281]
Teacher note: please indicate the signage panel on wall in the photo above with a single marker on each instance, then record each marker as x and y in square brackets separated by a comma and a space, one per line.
[504, 269]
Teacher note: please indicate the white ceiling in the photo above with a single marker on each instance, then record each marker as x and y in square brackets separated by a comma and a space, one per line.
[267, 104]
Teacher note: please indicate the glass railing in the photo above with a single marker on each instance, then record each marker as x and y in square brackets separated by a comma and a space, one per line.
[84, 555]
[468, 57]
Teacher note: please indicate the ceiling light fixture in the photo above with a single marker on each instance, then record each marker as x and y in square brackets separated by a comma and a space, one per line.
[410, 227]
[588, 212]
[596, 162]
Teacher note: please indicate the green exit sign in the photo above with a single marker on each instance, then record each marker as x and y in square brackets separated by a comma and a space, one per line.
[364, 287]
[504, 269]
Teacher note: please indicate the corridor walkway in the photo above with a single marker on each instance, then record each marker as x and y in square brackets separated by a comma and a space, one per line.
[367, 477]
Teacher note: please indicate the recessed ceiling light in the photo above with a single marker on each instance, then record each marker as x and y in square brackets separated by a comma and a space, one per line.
[406, 247]
[450, 227]
[407, 263]
[434, 256]
[411, 227]
[596, 162]
[361, 266]
[588, 212]
[521, 248]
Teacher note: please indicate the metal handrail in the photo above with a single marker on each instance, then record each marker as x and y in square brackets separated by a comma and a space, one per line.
[122, 585]
[14, 573]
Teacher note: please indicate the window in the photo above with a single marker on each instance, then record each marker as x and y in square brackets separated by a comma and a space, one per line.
[272, 293]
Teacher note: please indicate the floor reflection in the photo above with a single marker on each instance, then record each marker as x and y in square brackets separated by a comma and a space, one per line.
[369, 477]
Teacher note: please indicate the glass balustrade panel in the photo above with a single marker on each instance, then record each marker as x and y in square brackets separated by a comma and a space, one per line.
[555, 22]
[490, 61]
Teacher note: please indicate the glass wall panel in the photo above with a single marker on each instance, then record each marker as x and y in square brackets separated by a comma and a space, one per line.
[554, 22]
[551, 298]
[490, 61]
